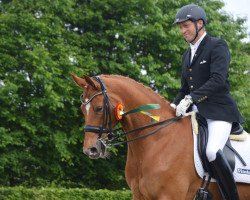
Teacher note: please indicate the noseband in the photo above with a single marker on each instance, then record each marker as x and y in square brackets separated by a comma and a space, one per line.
[106, 122]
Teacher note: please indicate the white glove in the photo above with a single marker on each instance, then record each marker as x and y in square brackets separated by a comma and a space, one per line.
[183, 106]
[173, 105]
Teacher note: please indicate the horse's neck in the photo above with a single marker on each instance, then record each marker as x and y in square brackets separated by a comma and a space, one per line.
[134, 95]
[172, 139]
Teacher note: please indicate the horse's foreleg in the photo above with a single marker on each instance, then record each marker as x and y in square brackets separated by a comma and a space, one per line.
[133, 183]
[132, 177]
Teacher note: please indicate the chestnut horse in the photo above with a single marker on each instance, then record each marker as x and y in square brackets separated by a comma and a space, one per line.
[160, 166]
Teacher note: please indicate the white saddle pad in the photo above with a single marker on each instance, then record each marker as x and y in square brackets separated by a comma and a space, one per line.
[241, 172]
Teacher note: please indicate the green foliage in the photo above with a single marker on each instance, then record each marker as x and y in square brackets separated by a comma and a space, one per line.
[43, 41]
[61, 194]
[41, 131]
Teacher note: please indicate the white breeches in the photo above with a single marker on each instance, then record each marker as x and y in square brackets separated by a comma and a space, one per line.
[218, 134]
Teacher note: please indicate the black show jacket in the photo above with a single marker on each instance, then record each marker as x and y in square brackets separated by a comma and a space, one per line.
[206, 80]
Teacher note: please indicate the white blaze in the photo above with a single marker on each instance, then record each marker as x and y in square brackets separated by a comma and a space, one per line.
[87, 106]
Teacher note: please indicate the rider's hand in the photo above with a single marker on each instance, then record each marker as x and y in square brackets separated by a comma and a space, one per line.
[173, 105]
[183, 106]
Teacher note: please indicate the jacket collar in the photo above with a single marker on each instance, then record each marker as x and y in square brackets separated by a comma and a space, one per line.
[196, 45]
[199, 50]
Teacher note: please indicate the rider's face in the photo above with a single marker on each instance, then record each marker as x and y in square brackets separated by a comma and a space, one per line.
[188, 31]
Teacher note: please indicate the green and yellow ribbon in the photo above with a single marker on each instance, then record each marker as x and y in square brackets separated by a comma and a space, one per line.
[142, 109]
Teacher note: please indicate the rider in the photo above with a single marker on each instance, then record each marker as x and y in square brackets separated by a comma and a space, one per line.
[205, 87]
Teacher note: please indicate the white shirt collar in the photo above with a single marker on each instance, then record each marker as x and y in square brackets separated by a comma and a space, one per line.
[195, 46]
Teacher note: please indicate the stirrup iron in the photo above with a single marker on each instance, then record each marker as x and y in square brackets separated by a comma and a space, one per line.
[203, 193]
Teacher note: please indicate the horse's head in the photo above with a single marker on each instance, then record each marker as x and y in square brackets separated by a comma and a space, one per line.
[99, 116]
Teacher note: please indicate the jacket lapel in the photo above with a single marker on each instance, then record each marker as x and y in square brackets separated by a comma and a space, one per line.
[187, 58]
[200, 48]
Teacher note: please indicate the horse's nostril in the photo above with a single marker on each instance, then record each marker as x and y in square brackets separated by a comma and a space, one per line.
[93, 150]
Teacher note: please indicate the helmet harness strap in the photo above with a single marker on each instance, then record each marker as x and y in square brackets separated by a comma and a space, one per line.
[197, 30]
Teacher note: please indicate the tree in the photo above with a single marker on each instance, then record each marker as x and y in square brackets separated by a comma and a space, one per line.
[43, 41]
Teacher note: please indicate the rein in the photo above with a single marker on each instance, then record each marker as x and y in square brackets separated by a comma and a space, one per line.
[162, 124]
[112, 134]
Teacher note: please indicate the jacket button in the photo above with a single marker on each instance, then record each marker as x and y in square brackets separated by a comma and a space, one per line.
[190, 69]
[191, 78]
[191, 86]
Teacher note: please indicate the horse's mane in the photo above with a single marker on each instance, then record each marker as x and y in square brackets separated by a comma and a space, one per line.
[137, 83]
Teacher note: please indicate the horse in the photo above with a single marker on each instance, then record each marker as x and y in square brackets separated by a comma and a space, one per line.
[158, 167]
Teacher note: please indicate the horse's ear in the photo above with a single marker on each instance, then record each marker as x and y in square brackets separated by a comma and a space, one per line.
[84, 82]
[79, 81]
[90, 82]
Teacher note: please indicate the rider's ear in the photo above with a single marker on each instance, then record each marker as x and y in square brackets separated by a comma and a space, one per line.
[90, 82]
[79, 81]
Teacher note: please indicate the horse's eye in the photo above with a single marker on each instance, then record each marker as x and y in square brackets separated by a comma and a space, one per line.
[98, 109]
[81, 98]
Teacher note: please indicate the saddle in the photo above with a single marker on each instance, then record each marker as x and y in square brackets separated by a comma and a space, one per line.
[229, 152]
[199, 124]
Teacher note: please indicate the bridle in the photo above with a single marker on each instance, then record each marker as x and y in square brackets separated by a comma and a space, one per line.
[107, 121]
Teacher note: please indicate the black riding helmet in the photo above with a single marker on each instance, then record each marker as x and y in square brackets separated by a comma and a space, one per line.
[190, 12]
[193, 13]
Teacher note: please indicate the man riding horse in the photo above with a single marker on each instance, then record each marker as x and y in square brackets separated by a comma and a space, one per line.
[205, 88]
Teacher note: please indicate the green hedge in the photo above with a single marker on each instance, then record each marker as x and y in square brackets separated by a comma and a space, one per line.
[22, 193]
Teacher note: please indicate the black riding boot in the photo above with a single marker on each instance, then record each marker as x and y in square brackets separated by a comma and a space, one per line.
[224, 176]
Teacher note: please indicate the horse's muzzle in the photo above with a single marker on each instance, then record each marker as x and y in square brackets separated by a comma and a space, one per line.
[96, 151]
[91, 152]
